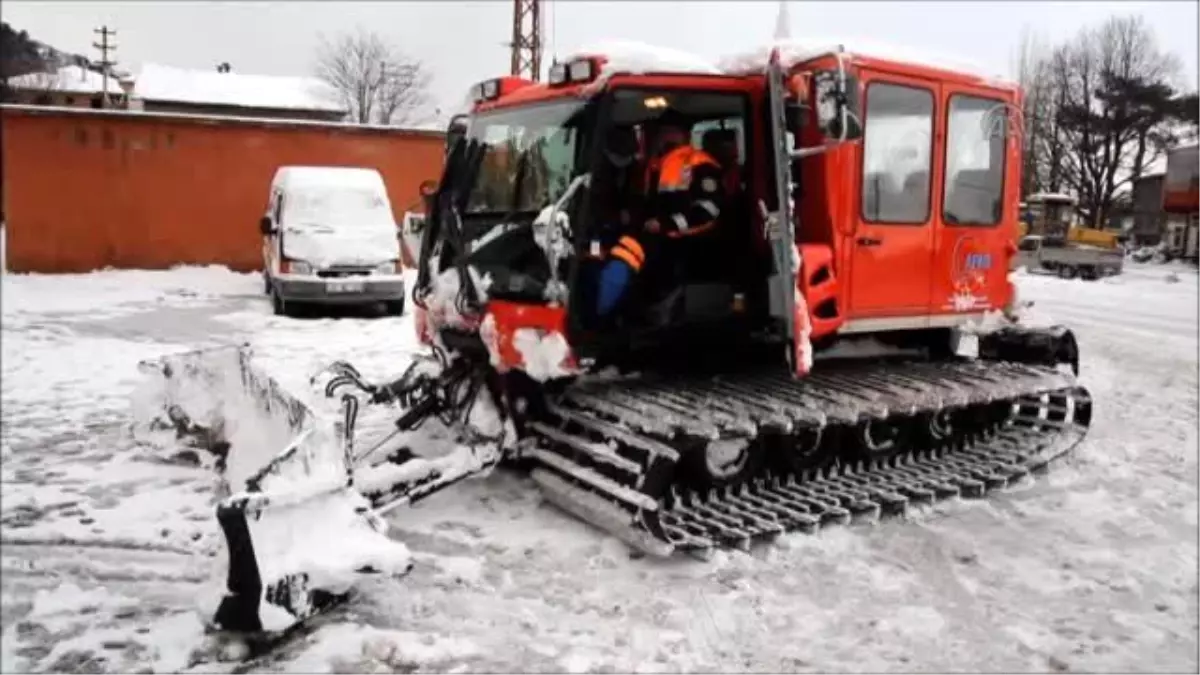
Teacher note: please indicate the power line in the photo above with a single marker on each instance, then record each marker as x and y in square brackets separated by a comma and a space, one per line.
[105, 64]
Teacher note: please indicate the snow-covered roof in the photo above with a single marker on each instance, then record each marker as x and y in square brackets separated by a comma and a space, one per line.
[797, 50]
[627, 56]
[69, 79]
[208, 87]
[299, 177]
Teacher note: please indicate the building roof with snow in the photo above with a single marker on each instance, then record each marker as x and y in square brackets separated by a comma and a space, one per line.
[71, 79]
[208, 88]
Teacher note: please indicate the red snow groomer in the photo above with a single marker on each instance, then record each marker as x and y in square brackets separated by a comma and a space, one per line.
[835, 348]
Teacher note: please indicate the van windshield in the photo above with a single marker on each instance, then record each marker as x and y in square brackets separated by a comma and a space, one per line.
[337, 208]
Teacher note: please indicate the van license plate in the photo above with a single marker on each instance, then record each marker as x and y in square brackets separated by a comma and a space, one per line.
[345, 286]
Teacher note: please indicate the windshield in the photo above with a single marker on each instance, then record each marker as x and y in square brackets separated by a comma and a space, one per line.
[320, 208]
[545, 136]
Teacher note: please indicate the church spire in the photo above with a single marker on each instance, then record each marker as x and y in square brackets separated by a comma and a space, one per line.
[783, 23]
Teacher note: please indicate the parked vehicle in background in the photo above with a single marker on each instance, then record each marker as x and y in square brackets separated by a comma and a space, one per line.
[1068, 260]
[329, 237]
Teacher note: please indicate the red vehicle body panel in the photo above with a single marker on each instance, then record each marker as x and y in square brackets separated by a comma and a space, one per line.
[915, 271]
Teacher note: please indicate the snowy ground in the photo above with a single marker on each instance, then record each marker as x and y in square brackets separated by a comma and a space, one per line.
[107, 547]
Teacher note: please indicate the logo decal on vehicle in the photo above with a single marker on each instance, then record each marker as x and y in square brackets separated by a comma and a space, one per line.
[968, 275]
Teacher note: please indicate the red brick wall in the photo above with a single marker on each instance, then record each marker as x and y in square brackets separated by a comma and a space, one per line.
[84, 191]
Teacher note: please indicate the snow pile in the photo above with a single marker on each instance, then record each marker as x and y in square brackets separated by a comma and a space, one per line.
[352, 647]
[1117, 522]
[221, 391]
[442, 304]
[545, 354]
[178, 85]
[798, 50]
[296, 538]
[68, 79]
[31, 297]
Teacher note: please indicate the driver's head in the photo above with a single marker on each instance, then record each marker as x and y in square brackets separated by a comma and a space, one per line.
[672, 132]
[621, 148]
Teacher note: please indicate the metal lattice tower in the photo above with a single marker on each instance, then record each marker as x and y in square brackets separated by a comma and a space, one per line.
[527, 39]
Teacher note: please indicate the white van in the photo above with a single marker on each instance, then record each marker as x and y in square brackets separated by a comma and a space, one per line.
[329, 237]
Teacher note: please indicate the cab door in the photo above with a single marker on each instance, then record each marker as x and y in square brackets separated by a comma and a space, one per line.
[978, 210]
[892, 248]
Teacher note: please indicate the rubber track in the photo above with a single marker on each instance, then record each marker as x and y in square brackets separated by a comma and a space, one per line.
[633, 422]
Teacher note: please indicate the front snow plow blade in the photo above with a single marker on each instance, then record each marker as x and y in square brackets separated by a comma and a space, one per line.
[297, 533]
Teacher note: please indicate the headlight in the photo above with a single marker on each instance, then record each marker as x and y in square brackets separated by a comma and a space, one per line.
[386, 268]
[298, 267]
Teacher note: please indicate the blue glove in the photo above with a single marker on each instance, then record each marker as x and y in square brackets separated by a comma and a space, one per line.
[614, 279]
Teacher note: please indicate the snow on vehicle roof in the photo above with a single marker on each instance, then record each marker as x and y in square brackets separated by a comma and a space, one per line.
[71, 79]
[299, 177]
[166, 83]
[627, 56]
[797, 50]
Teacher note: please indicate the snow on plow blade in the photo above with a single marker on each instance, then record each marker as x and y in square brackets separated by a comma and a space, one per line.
[298, 535]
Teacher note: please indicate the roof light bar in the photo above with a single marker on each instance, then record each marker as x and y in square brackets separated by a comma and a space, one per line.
[573, 72]
[486, 91]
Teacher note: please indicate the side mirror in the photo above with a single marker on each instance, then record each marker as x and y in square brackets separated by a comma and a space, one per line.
[834, 104]
[265, 226]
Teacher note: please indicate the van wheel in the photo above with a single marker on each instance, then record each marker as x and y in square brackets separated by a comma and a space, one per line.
[1090, 274]
[394, 308]
[1066, 272]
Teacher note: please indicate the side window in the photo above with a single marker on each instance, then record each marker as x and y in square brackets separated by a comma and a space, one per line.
[897, 154]
[278, 207]
[721, 138]
[975, 155]
[548, 175]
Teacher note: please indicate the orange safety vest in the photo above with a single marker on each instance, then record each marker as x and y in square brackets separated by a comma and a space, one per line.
[675, 169]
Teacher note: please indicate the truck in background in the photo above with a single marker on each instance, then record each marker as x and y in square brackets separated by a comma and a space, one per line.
[1068, 260]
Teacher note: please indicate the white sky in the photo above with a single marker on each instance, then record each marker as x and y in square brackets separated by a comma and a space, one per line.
[464, 42]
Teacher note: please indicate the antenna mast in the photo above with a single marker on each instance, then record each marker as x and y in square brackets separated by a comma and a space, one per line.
[527, 39]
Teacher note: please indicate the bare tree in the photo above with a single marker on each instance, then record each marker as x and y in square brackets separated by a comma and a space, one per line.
[1039, 141]
[1099, 110]
[374, 81]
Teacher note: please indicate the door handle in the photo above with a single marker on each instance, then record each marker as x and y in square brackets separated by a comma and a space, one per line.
[868, 241]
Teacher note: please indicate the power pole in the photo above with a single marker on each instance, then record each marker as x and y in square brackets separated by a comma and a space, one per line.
[527, 39]
[105, 65]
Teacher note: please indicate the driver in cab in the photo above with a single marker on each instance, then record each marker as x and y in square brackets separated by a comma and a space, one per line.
[687, 196]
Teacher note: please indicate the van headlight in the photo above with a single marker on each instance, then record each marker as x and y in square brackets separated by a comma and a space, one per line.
[299, 267]
[386, 268]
